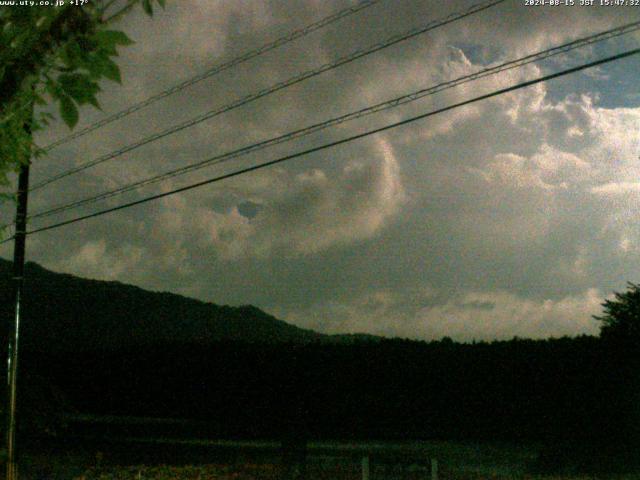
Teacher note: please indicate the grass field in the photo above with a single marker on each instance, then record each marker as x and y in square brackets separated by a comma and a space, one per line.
[272, 472]
[326, 461]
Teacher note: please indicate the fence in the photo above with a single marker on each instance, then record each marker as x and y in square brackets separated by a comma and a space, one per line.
[292, 459]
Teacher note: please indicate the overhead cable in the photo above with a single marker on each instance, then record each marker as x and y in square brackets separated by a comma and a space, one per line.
[272, 89]
[290, 37]
[338, 142]
[392, 103]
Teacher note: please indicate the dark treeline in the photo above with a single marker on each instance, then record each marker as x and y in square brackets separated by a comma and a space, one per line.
[105, 348]
[570, 391]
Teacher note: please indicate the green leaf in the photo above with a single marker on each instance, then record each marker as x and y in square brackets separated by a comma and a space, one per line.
[52, 88]
[73, 83]
[101, 65]
[92, 98]
[94, 101]
[71, 55]
[38, 100]
[95, 63]
[111, 71]
[148, 8]
[79, 86]
[161, 3]
[68, 111]
[112, 37]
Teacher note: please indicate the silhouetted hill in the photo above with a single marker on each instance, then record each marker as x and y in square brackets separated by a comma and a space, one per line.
[105, 348]
[63, 312]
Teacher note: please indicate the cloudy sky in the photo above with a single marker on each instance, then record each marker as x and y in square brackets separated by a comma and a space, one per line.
[513, 216]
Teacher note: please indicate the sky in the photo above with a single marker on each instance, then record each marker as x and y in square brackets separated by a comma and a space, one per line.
[514, 216]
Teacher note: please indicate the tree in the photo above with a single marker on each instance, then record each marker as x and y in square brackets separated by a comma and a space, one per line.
[53, 55]
[621, 317]
[50, 54]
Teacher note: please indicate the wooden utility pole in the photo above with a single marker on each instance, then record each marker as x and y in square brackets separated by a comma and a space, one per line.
[14, 336]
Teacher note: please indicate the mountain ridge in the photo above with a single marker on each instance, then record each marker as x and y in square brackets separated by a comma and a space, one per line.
[63, 311]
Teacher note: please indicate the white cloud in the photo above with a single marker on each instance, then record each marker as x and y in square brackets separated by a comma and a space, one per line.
[616, 188]
[504, 315]
[473, 315]
[547, 169]
[320, 210]
[299, 214]
[95, 260]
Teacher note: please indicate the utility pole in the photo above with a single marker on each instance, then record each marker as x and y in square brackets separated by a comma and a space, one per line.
[18, 282]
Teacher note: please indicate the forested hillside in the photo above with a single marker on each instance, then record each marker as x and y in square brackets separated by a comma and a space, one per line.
[66, 313]
[110, 349]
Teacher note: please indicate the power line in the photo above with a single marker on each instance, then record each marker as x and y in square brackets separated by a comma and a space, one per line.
[296, 34]
[542, 55]
[338, 142]
[274, 88]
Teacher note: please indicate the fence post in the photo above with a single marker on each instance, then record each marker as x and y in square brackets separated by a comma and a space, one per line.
[365, 468]
[434, 469]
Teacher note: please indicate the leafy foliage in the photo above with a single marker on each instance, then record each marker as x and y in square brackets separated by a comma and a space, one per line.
[621, 318]
[54, 55]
